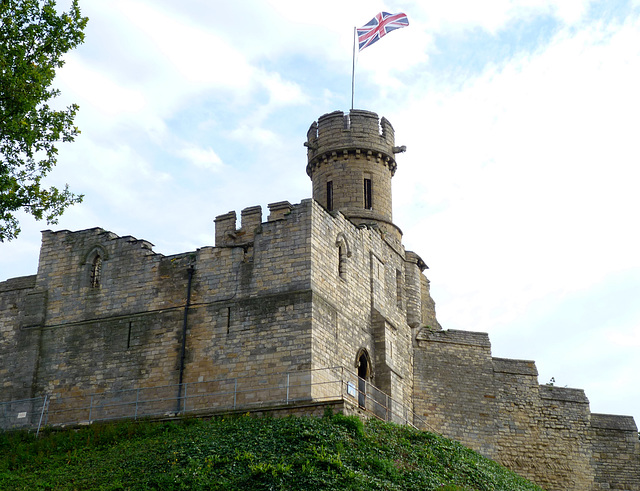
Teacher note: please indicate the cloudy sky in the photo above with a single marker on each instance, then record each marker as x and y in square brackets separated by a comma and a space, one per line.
[519, 187]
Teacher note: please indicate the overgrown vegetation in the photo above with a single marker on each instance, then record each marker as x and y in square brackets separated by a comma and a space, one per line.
[239, 453]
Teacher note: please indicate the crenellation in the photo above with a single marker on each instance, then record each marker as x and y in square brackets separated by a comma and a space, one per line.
[251, 218]
[279, 210]
[225, 229]
[388, 132]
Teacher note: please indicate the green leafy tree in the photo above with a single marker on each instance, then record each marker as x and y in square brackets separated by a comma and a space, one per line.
[33, 39]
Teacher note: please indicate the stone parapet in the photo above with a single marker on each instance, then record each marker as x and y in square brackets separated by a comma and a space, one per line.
[613, 422]
[279, 210]
[225, 228]
[226, 233]
[359, 132]
[516, 367]
[565, 394]
[452, 336]
[20, 283]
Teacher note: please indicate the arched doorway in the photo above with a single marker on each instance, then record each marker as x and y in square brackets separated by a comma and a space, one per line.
[363, 364]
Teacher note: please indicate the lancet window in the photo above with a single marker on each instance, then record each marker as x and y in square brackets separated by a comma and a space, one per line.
[96, 271]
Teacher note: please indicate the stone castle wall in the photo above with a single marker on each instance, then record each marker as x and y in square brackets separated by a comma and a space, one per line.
[614, 452]
[269, 297]
[250, 311]
[18, 346]
[361, 304]
[308, 288]
[497, 407]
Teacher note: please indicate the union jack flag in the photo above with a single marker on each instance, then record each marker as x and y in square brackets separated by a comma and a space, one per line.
[383, 23]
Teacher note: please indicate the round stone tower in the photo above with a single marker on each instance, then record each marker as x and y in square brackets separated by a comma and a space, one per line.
[351, 162]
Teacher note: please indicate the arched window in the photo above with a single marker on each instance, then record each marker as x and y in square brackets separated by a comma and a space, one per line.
[91, 267]
[96, 271]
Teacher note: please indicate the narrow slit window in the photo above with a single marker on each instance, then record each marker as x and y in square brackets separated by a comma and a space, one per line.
[399, 288]
[129, 336]
[330, 195]
[342, 266]
[368, 198]
[96, 271]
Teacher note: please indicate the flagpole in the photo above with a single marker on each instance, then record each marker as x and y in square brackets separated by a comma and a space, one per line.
[353, 68]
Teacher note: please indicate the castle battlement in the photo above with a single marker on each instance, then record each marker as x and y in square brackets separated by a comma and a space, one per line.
[227, 235]
[360, 133]
[101, 233]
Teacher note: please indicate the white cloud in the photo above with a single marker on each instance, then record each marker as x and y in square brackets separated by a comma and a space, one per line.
[282, 92]
[463, 15]
[628, 339]
[252, 134]
[196, 56]
[108, 97]
[204, 158]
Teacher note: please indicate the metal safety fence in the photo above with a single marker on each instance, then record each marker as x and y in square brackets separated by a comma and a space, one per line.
[248, 393]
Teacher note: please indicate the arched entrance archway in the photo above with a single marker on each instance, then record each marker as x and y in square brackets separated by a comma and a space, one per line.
[363, 365]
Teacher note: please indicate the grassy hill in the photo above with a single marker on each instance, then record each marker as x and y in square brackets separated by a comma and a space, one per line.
[245, 453]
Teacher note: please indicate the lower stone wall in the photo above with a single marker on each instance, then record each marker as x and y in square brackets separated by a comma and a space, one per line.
[108, 355]
[314, 409]
[265, 334]
[454, 386]
[18, 345]
[497, 407]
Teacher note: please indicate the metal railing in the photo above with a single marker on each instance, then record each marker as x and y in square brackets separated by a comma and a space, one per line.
[248, 393]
